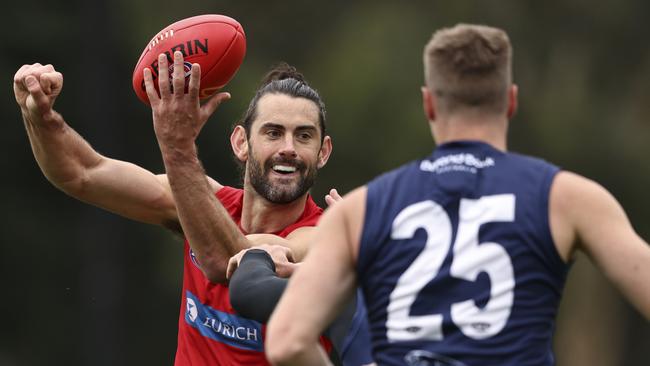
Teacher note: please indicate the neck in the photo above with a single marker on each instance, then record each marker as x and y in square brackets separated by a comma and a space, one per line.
[261, 216]
[471, 126]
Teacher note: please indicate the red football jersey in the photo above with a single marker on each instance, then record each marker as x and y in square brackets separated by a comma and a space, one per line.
[209, 330]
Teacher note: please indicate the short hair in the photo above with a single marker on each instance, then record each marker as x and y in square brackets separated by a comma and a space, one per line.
[284, 79]
[469, 66]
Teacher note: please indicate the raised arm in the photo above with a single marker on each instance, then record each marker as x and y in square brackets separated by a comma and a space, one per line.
[587, 217]
[73, 166]
[178, 118]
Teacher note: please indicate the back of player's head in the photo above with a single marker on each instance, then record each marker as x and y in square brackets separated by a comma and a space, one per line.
[469, 66]
[284, 79]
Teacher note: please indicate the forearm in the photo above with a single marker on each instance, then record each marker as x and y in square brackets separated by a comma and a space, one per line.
[61, 153]
[72, 165]
[211, 232]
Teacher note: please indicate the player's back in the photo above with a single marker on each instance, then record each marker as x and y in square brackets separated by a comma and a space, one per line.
[457, 262]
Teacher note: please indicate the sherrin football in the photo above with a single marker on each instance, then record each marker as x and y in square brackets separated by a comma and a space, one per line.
[216, 42]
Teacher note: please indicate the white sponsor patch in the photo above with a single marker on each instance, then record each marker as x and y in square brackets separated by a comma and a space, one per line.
[456, 162]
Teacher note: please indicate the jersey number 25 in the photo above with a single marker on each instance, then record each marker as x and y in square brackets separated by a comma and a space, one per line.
[469, 259]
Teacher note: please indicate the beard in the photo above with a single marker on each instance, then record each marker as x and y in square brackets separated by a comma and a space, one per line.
[280, 193]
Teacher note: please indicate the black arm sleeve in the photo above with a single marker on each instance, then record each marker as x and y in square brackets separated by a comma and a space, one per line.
[255, 288]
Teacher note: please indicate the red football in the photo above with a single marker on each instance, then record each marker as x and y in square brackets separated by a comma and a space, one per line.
[216, 42]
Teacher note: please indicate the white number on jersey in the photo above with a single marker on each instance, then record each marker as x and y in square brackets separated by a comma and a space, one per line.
[469, 259]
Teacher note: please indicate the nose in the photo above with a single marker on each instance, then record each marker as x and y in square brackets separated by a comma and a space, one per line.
[288, 148]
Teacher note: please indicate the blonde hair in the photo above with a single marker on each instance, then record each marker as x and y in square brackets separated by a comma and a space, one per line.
[469, 66]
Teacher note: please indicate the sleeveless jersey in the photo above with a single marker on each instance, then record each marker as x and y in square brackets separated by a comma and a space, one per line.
[456, 260]
[209, 330]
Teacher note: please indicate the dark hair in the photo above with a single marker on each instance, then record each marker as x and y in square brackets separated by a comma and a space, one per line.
[283, 79]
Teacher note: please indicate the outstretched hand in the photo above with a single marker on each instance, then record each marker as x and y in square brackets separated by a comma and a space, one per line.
[178, 117]
[36, 87]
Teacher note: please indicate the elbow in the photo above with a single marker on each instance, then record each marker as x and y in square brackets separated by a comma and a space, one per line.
[282, 346]
[283, 350]
[73, 185]
[213, 269]
[76, 178]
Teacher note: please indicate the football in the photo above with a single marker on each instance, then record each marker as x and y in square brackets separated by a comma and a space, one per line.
[216, 42]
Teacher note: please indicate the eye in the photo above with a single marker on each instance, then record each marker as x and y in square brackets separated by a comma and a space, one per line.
[304, 136]
[273, 134]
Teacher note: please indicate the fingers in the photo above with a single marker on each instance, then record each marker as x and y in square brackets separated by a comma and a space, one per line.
[332, 197]
[42, 73]
[52, 82]
[195, 81]
[41, 100]
[178, 77]
[33, 69]
[163, 76]
[152, 94]
[20, 75]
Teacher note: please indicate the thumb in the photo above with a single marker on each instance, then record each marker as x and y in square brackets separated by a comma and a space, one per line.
[232, 266]
[39, 100]
[213, 103]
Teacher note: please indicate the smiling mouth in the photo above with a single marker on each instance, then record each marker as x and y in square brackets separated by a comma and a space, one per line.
[284, 169]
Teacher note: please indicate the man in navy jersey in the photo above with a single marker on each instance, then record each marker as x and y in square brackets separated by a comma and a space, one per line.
[462, 256]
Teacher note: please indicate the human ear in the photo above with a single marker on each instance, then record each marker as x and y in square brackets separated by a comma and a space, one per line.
[239, 143]
[325, 152]
[428, 103]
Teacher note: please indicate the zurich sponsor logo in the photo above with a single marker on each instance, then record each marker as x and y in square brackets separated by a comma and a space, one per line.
[223, 327]
[192, 312]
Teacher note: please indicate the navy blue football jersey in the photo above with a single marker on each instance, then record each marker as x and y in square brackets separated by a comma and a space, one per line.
[457, 263]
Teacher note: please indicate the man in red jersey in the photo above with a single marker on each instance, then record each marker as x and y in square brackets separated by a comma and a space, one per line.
[282, 144]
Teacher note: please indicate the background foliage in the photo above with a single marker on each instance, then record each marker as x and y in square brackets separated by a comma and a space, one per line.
[85, 287]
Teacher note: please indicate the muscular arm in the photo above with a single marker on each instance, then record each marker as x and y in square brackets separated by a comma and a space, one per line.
[584, 213]
[320, 288]
[178, 119]
[73, 166]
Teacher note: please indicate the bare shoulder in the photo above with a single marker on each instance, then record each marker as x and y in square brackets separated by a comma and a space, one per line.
[581, 198]
[600, 227]
[580, 211]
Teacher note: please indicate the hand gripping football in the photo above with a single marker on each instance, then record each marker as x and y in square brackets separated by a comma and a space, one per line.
[216, 42]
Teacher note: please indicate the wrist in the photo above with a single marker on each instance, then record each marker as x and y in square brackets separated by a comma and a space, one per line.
[179, 153]
[36, 123]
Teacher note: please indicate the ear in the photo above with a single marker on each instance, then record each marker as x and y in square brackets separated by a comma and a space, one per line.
[239, 143]
[325, 152]
[428, 103]
[512, 100]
